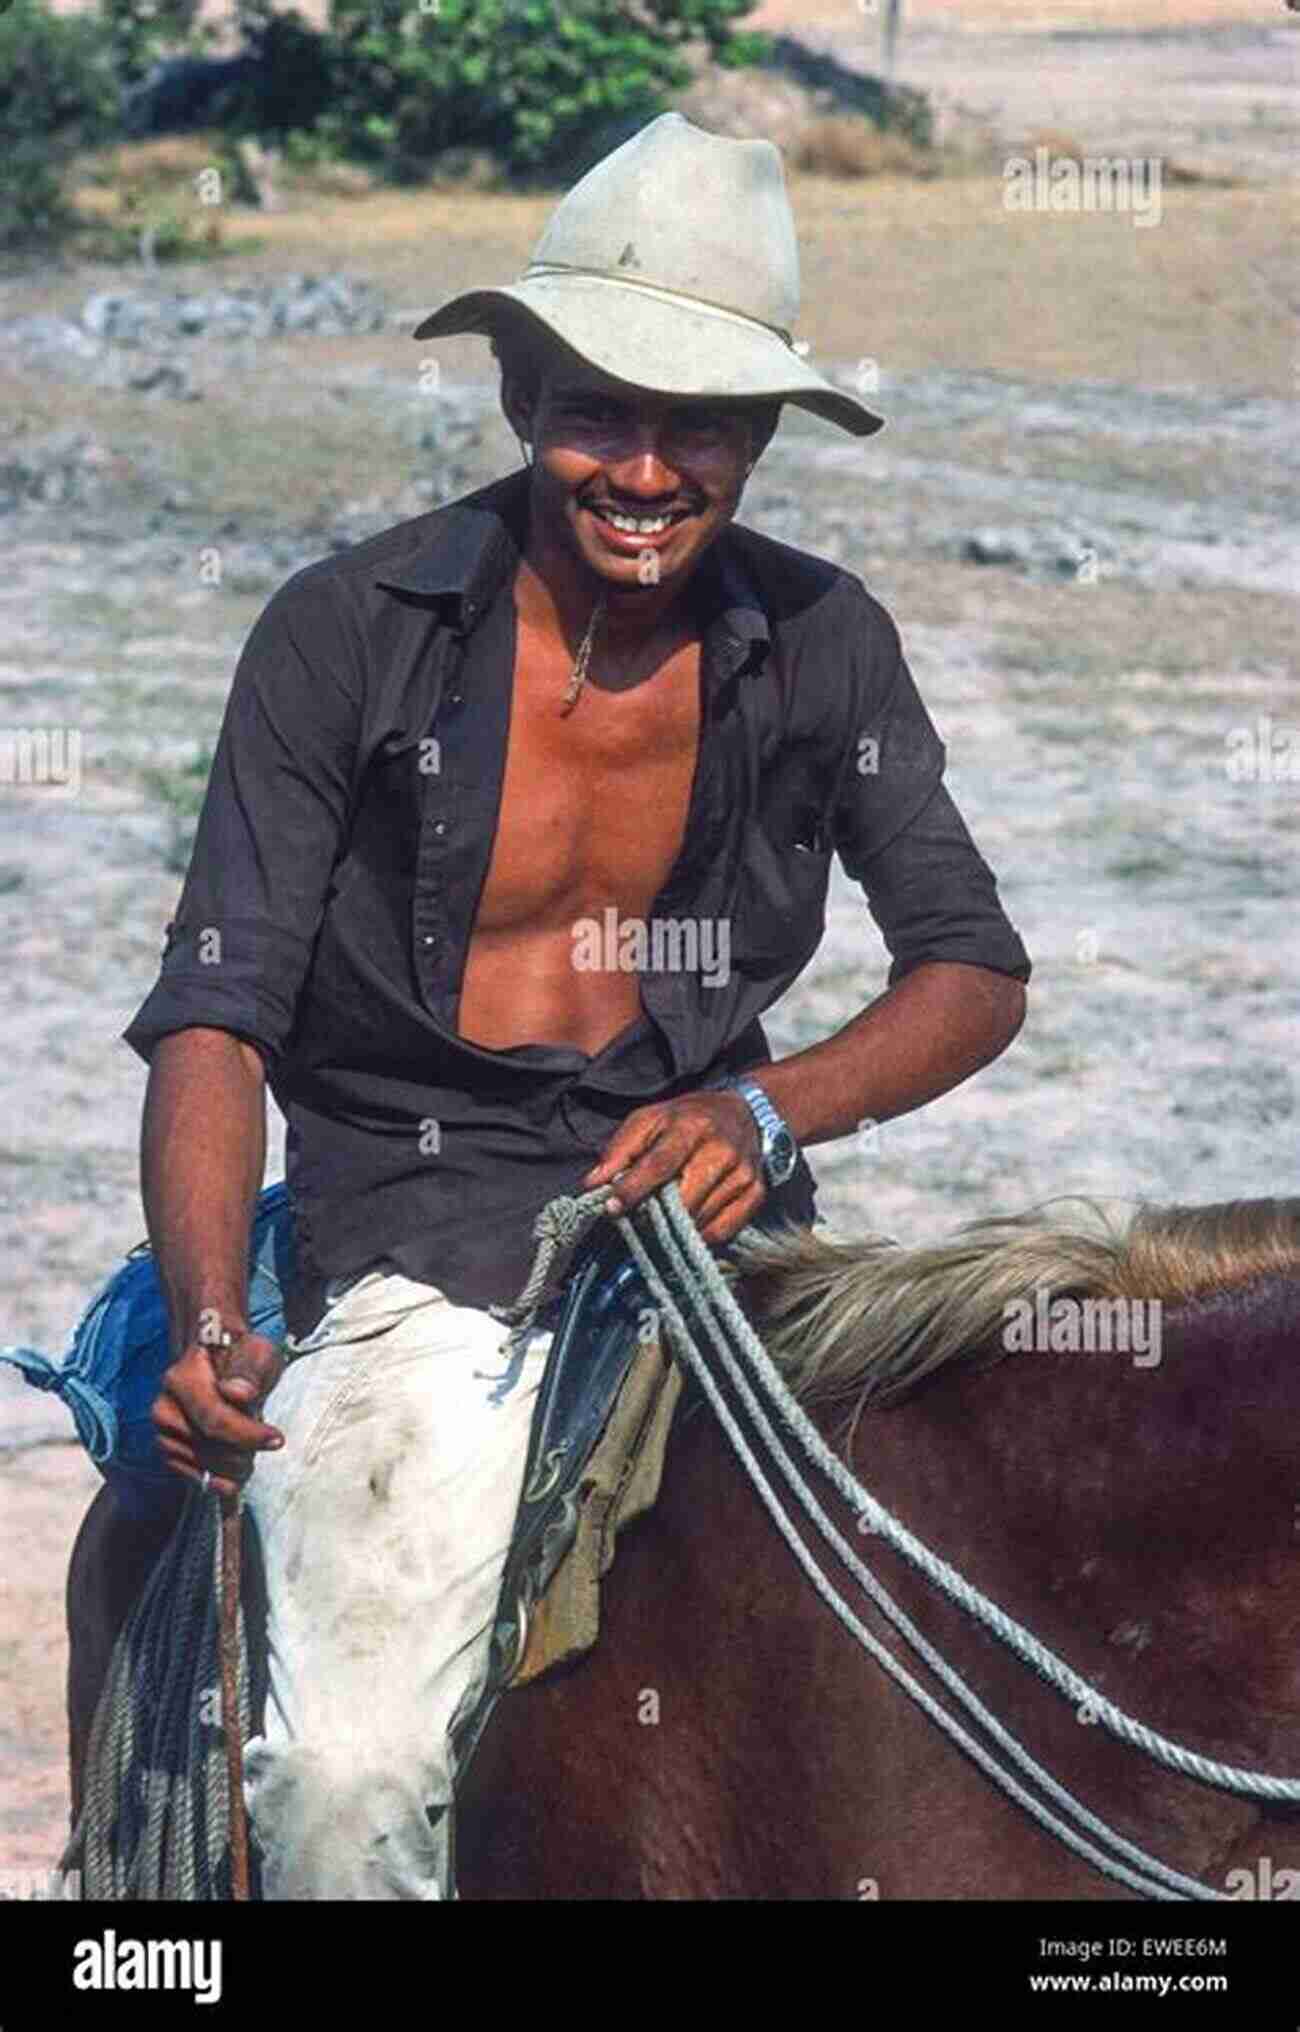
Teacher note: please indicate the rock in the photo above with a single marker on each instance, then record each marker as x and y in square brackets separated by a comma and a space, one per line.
[1048, 551]
[163, 377]
[996, 546]
[51, 343]
[99, 311]
[62, 470]
[191, 315]
[332, 305]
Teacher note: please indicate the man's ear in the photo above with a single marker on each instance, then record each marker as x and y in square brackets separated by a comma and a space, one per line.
[518, 406]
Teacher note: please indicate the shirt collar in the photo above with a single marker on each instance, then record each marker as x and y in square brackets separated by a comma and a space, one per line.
[477, 543]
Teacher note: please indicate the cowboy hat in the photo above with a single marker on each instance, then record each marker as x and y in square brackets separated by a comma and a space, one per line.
[673, 266]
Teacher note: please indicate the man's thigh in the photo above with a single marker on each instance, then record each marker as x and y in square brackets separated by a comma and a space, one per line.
[386, 1517]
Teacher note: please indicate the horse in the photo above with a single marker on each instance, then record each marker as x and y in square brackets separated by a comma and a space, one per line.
[1136, 1505]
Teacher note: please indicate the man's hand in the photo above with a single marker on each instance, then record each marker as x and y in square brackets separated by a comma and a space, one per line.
[206, 1418]
[708, 1142]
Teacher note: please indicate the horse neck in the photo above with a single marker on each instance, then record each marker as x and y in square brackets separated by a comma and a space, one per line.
[1145, 1520]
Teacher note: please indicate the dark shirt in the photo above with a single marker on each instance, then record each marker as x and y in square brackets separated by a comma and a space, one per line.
[345, 839]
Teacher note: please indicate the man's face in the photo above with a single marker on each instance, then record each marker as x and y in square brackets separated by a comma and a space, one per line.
[637, 485]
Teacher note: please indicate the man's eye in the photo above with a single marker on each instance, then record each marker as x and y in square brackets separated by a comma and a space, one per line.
[703, 420]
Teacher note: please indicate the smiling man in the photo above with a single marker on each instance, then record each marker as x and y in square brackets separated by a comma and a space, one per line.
[582, 695]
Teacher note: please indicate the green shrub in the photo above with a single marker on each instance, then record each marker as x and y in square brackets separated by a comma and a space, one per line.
[744, 50]
[545, 86]
[58, 93]
[139, 31]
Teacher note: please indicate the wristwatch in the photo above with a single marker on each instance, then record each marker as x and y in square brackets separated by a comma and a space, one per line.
[780, 1151]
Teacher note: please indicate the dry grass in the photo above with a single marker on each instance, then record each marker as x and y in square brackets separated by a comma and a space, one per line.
[846, 147]
[920, 275]
[911, 273]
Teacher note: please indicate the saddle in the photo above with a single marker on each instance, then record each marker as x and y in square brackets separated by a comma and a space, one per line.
[595, 1458]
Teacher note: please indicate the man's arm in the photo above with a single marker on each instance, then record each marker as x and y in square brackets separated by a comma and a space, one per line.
[273, 822]
[922, 1037]
[202, 1154]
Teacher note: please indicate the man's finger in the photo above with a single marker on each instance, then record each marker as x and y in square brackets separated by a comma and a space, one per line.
[251, 1360]
[243, 1393]
[629, 1141]
[699, 1165]
[720, 1218]
[209, 1417]
[640, 1180]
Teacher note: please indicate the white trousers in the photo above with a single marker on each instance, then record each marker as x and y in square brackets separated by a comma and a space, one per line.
[384, 1520]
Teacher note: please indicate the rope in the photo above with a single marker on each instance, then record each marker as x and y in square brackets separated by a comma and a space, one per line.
[557, 1230]
[232, 1729]
[154, 1821]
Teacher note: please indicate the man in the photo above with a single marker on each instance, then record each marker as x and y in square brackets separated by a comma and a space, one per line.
[470, 773]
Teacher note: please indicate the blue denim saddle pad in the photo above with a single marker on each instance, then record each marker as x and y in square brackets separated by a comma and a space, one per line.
[112, 1372]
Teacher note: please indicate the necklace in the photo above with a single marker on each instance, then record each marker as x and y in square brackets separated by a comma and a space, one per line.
[582, 659]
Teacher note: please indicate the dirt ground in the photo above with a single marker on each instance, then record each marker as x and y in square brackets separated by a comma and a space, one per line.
[1081, 515]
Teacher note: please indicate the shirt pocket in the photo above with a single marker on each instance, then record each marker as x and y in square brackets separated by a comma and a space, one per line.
[780, 910]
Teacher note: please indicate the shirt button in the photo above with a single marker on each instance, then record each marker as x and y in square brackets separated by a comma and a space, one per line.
[453, 698]
[427, 939]
[441, 826]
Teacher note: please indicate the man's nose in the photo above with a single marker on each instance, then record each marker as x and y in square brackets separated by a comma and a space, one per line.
[641, 463]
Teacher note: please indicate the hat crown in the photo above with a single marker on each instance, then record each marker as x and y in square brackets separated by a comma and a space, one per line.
[687, 211]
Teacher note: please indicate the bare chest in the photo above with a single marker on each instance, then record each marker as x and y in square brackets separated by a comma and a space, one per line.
[594, 801]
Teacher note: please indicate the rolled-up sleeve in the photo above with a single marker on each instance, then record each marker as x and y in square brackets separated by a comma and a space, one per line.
[270, 830]
[899, 834]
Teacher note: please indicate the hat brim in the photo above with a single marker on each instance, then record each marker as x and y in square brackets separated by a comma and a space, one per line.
[656, 341]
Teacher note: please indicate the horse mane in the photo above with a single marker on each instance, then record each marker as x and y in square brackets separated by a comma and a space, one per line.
[871, 1319]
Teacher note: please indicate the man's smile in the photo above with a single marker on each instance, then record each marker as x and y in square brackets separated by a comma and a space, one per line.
[627, 531]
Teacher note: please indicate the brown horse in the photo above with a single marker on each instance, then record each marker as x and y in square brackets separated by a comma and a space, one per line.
[1137, 1509]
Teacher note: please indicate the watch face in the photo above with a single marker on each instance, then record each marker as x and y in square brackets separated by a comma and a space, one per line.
[781, 1157]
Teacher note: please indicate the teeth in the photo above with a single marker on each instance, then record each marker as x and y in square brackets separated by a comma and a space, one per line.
[638, 526]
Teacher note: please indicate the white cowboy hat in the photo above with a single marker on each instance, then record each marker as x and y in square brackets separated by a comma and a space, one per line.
[672, 265]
